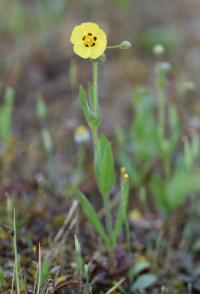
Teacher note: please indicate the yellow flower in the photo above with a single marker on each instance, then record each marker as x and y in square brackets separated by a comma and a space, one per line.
[89, 40]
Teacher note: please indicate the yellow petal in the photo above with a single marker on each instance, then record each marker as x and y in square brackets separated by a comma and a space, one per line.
[81, 50]
[100, 46]
[101, 37]
[89, 27]
[97, 51]
[77, 35]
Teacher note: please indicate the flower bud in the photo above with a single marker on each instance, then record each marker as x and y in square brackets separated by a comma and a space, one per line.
[158, 50]
[125, 177]
[122, 170]
[102, 58]
[125, 45]
[186, 86]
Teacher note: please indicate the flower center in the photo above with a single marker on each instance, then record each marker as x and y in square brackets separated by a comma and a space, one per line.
[89, 40]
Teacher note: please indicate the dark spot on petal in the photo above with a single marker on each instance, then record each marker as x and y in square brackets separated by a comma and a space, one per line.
[93, 44]
[95, 38]
[89, 34]
[86, 45]
[83, 38]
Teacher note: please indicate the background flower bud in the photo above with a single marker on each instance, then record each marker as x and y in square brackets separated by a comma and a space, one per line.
[158, 50]
[125, 45]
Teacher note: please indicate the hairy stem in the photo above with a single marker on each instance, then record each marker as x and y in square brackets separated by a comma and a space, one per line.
[95, 90]
[94, 130]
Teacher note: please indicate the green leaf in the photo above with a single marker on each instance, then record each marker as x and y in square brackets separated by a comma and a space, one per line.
[195, 145]
[45, 271]
[138, 268]
[174, 122]
[9, 95]
[196, 246]
[159, 193]
[179, 186]
[91, 214]
[6, 115]
[47, 140]
[2, 277]
[144, 281]
[84, 102]
[171, 193]
[92, 118]
[41, 108]
[188, 156]
[104, 166]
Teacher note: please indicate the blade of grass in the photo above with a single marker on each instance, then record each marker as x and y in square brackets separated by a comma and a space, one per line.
[115, 286]
[39, 270]
[35, 280]
[13, 280]
[16, 255]
[1, 277]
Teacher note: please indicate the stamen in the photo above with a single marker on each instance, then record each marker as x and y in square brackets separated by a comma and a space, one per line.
[89, 40]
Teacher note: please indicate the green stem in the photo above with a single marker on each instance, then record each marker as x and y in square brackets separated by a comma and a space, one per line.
[124, 202]
[94, 130]
[95, 137]
[166, 163]
[162, 113]
[108, 217]
[95, 93]
[95, 103]
[160, 82]
[114, 46]
[162, 122]
[161, 87]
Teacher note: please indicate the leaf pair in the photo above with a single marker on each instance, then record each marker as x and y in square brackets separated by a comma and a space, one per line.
[95, 221]
[172, 193]
[92, 117]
